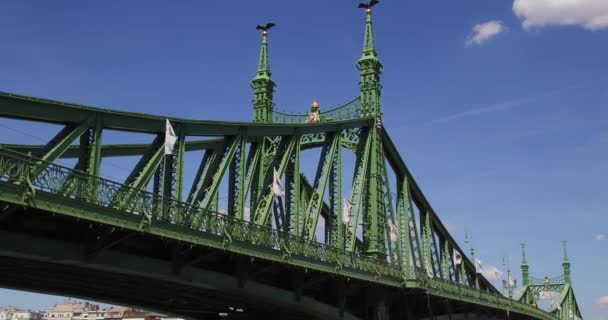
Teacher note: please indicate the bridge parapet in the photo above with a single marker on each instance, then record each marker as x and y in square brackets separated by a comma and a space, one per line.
[26, 176]
[459, 292]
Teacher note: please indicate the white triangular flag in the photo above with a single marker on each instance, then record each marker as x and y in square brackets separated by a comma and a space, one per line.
[393, 231]
[170, 138]
[511, 280]
[276, 184]
[346, 212]
[559, 307]
[457, 257]
[478, 266]
[497, 273]
[429, 272]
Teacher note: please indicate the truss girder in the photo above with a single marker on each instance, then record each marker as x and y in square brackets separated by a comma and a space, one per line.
[116, 150]
[336, 229]
[89, 159]
[197, 190]
[390, 214]
[374, 209]
[237, 181]
[172, 171]
[313, 209]
[62, 140]
[216, 178]
[370, 191]
[293, 196]
[358, 186]
[50, 111]
[417, 198]
[249, 153]
[147, 165]
[280, 160]
[140, 176]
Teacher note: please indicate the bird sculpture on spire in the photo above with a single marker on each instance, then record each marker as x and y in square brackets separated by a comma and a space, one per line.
[265, 27]
[368, 6]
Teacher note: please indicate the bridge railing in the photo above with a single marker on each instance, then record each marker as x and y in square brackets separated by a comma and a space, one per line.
[456, 291]
[34, 175]
[346, 111]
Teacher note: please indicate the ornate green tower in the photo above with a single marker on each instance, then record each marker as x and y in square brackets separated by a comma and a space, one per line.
[263, 85]
[374, 206]
[566, 265]
[525, 277]
[370, 69]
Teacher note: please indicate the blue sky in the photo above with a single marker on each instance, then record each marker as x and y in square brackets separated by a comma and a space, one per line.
[504, 125]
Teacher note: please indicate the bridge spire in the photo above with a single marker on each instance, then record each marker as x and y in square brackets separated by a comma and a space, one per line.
[262, 83]
[524, 266]
[566, 264]
[374, 191]
[370, 68]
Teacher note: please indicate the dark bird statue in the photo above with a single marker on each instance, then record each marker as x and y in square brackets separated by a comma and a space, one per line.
[265, 28]
[368, 5]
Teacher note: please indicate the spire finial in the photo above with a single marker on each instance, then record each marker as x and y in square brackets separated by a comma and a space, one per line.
[264, 64]
[262, 83]
[566, 265]
[369, 47]
[524, 266]
[370, 68]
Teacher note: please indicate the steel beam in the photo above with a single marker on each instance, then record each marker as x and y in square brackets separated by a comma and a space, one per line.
[262, 213]
[216, 178]
[44, 110]
[313, 209]
[358, 187]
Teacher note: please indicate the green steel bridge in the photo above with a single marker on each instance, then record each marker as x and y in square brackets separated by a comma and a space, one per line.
[149, 241]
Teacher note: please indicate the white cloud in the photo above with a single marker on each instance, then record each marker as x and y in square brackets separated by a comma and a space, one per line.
[600, 237]
[590, 14]
[602, 302]
[491, 272]
[485, 31]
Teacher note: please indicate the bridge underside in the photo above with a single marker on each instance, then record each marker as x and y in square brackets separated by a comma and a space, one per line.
[48, 253]
[55, 254]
